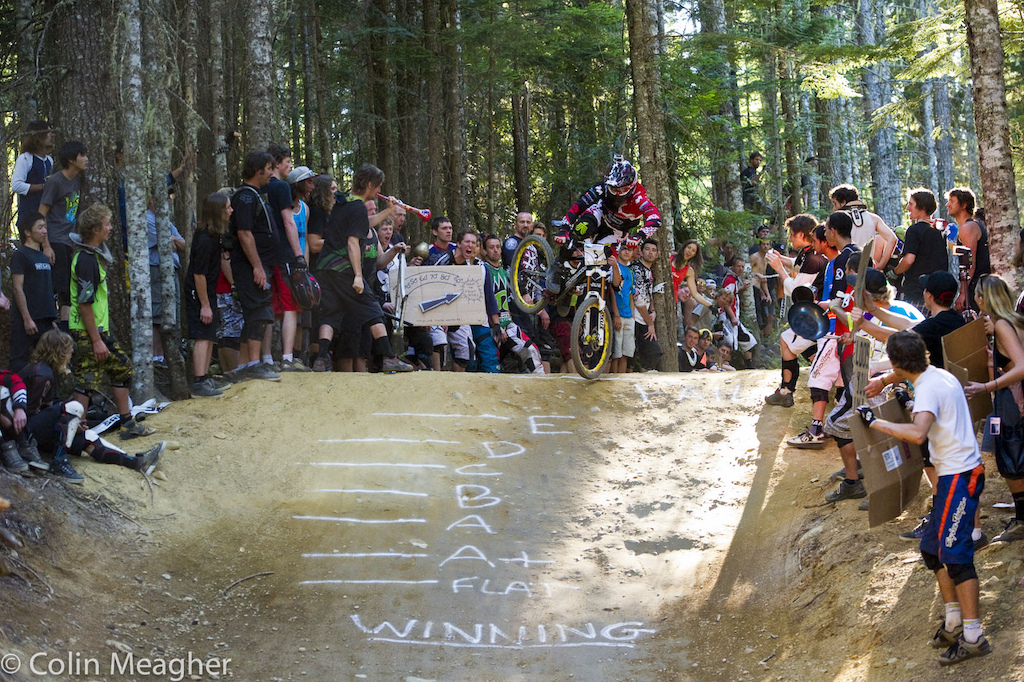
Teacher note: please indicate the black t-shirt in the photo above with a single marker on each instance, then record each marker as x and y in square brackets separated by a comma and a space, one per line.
[748, 180]
[204, 259]
[252, 214]
[38, 284]
[279, 197]
[347, 219]
[315, 224]
[508, 249]
[690, 361]
[929, 248]
[934, 328]
[839, 279]
[811, 263]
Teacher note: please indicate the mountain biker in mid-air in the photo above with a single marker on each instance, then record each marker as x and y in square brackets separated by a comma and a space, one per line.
[609, 211]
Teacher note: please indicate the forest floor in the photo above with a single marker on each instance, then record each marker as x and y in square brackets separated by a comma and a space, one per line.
[451, 526]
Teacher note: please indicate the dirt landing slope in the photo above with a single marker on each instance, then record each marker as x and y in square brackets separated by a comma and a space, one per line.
[451, 527]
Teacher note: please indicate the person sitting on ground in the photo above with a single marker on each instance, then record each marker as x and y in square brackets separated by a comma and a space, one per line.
[942, 416]
[14, 450]
[58, 427]
[98, 355]
[689, 355]
[725, 356]
[706, 356]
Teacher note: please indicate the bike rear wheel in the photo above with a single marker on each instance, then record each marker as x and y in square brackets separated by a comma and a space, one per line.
[591, 340]
[528, 272]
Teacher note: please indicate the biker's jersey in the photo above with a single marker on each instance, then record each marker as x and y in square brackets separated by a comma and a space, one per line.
[604, 208]
[502, 293]
[508, 249]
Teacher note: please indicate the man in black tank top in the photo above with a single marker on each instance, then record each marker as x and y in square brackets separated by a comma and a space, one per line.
[973, 233]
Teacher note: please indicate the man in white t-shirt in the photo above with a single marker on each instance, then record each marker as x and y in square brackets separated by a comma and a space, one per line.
[941, 415]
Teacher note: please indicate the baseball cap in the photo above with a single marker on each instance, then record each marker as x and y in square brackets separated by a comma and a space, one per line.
[299, 174]
[705, 334]
[875, 282]
[941, 284]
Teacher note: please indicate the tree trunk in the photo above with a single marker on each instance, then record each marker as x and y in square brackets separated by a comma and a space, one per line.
[882, 142]
[28, 73]
[770, 120]
[158, 148]
[787, 88]
[216, 120]
[457, 181]
[944, 142]
[136, 181]
[260, 127]
[185, 185]
[520, 147]
[928, 141]
[811, 149]
[432, 77]
[307, 90]
[645, 59]
[991, 122]
[829, 145]
[725, 159]
[326, 161]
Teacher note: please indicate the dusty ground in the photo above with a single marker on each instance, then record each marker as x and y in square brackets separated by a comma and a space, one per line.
[648, 528]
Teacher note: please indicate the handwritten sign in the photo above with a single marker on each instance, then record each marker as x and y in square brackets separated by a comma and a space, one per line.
[442, 295]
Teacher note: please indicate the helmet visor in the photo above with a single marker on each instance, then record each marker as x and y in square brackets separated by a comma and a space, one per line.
[620, 191]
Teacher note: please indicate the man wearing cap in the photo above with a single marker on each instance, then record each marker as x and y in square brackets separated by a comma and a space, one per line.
[940, 289]
[301, 181]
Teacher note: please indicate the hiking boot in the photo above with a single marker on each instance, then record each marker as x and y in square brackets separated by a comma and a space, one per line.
[963, 650]
[918, 532]
[840, 474]
[943, 638]
[807, 441]
[62, 469]
[780, 399]
[29, 451]
[395, 365]
[847, 491]
[322, 364]
[262, 371]
[133, 429]
[982, 542]
[204, 389]
[145, 462]
[12, 460]
[1014, 531]
[294, 366]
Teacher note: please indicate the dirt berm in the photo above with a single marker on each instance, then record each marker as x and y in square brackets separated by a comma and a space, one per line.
[465, 527]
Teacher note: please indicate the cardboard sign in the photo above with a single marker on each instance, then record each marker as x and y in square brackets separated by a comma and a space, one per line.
[442, 295]
[892, 468]
[966, 356]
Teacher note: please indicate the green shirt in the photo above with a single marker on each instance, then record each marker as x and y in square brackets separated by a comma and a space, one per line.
[88, 287]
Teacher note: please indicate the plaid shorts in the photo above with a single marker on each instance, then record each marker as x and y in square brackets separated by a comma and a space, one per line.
[230, 310]
[90, 374]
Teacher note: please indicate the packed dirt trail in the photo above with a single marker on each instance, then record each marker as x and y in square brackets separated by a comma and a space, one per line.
[440, 526]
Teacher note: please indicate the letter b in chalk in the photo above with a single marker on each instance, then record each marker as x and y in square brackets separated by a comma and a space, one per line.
[475, 496]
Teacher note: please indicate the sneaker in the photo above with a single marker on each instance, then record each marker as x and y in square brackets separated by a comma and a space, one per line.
[133, 429]
[219, 383]
[236, 376]
[943, 638]
[62, 469]
[982, 542]
[864, 505]
[847, 491]
[780, 399]
[962, 650]
[204, 389]
[322, 365]
[262, 371]
[918, 532]
[294, 366]
[395, 365]
[808, 441]
[1014, 531]
[12, 460]
[840, 474]
[146, 461]
[29, 451]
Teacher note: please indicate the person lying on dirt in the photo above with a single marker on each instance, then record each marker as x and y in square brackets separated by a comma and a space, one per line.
[942, 416]
[59, 427]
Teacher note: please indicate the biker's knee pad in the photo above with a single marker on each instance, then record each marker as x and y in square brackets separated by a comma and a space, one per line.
[71, 416]
[819, 395]
[961, 573]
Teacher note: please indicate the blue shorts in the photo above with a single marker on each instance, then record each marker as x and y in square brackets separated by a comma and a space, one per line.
[948, 534]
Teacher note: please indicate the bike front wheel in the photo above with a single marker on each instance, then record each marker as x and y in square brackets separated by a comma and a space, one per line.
[591, 340]
[529, 269]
